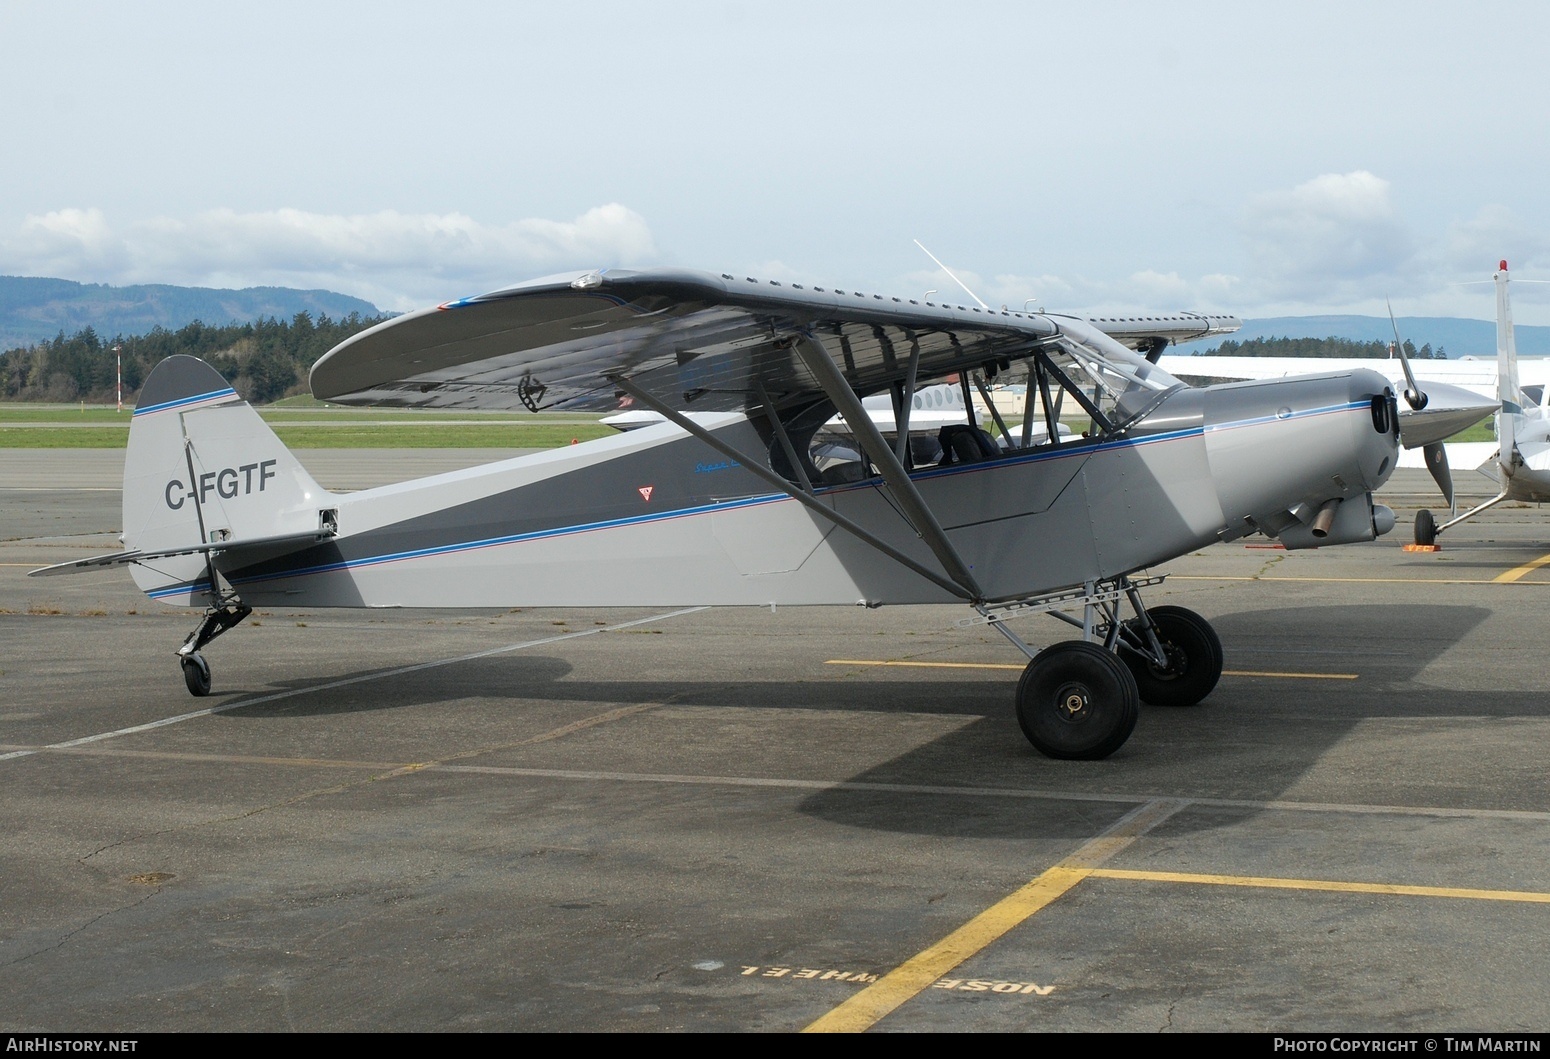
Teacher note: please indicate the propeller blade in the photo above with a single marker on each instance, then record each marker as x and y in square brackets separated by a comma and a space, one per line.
[1413, 395]
[1437, 463]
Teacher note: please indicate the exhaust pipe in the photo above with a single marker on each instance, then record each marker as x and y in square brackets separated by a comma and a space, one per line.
[1325, 518]
[1339, 521]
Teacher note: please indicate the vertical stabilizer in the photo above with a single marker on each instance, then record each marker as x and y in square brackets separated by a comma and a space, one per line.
[1510, 418]
[203, 467]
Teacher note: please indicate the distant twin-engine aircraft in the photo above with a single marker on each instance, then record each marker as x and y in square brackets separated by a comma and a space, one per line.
[744, 496]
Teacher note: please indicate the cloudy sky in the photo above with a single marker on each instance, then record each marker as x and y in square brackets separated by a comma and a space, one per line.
[1264, 160]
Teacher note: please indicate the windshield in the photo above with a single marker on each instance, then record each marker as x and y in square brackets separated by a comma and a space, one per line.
[1122, 385]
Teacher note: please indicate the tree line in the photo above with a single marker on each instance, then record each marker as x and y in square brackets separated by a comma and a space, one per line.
[264, 360]
[268, 359]
[1320, 347]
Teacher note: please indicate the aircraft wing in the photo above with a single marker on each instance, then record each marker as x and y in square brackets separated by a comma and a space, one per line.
[692, 340]
[1152, 334]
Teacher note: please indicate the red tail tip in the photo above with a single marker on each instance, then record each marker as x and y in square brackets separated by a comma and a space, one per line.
[1503, 267]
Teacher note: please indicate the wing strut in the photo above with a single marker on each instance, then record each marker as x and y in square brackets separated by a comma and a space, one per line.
[901, 417]
[979, 384]
[816, 356]
[785, 439]
[756, 466]
[1076, 391]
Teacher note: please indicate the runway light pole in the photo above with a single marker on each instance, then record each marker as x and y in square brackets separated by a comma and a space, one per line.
[118, 356]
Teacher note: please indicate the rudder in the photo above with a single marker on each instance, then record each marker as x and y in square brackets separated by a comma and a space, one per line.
[201, 467]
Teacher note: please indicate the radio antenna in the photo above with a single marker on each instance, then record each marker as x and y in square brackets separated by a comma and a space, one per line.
[950, 274]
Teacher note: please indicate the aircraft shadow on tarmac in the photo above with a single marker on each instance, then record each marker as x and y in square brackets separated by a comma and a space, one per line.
[1253, 738]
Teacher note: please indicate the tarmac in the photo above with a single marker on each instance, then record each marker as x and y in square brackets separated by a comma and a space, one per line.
[744, 821]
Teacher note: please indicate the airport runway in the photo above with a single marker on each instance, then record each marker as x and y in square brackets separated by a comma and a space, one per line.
[733, 820]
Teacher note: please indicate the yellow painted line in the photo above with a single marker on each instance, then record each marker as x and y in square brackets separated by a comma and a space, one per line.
[1289, 676]
[217, 759]
[1005, 665]
[915, 975]
[1518, 571]
[1327, 885]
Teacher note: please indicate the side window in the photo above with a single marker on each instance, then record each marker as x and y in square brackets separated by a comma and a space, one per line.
[829, 454]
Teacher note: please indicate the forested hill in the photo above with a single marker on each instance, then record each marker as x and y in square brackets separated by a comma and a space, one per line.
[1460, 337]
[34, 309]
[265, 360]
[1320, 347]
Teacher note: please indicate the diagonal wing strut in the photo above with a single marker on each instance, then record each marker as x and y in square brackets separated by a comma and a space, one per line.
[807, 500]
[816, 356]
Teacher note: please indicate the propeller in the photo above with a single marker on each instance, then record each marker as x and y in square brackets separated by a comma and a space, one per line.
[1415, 397]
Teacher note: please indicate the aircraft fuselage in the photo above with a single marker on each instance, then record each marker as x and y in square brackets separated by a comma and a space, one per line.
[657, 517]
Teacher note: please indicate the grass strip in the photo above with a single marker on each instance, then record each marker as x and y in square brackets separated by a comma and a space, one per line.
[515, 435]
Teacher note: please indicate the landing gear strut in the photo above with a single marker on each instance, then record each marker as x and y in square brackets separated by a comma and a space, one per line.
[1192, 653]
[1079, 698]
[225, 613]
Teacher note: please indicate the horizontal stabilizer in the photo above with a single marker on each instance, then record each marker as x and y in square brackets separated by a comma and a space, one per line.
[271, 546]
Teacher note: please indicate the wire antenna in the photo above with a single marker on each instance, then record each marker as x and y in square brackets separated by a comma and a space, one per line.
[950, 274]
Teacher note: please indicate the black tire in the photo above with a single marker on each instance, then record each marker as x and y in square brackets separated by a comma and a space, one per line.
[1076, 701]
[1425, 527]
[1194, 659]
[196, 674]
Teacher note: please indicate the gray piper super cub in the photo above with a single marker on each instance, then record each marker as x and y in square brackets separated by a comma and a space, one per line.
[766, 482]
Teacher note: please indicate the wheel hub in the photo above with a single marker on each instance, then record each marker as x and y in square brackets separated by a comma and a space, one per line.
[1177, 666]
[1072, 702]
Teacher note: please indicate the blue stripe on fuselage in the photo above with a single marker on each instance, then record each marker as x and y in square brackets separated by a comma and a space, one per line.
[775, 498]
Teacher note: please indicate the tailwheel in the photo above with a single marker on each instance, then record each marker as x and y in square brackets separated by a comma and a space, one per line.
[196, 674]
[227, 612]
[1425, 527]
[1077, 701]
[1193, 651]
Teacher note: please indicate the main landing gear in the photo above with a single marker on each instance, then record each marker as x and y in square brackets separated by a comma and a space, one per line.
[1081, 698]
[225, 613]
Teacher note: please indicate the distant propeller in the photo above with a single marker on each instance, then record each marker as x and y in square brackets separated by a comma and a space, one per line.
[1437, 463]
[1415, 397]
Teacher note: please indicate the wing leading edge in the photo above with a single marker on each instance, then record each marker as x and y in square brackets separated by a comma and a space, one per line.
[693, 340]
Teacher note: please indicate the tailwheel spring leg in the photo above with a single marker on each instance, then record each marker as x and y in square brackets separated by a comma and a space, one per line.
[217, 619]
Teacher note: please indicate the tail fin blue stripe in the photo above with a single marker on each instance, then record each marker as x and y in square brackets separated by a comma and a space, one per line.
[182, 401]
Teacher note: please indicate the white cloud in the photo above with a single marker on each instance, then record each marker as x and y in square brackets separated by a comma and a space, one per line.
[64, 243]
[395, 260]
[1327, 239]
[1494, 233]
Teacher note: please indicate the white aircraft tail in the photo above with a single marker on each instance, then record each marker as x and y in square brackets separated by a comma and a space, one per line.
[1510, 419]
[202, 468]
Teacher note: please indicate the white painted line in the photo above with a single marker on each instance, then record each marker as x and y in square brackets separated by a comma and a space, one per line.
[1032, 794]
[382, 674]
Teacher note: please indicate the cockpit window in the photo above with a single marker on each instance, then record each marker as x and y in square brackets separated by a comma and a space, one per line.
[1072, 392]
